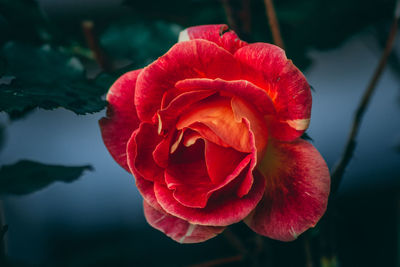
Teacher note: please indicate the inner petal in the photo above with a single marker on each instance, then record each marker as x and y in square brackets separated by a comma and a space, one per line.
[199, 169]
[216, 113]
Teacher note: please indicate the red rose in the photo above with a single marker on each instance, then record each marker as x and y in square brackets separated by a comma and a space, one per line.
[211, 132]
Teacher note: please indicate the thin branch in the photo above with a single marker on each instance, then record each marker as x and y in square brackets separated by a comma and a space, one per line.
[229, 14]
[340, 167]
[218, 262]
[94, 45]
[273, 23]
[245, 16]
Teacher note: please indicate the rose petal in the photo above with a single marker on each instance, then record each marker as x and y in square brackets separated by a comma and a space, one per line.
[194, 181]
[178, 229]
[223, 208]
[217, 34]
[296, 193]
[121, 120]
[216, 113]
[256, 123]
[266, 66]
[140, 152]
[170, 114]
[192, 59]
[240, 88]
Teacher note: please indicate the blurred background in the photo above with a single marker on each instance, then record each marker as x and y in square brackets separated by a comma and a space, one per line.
[59, 57]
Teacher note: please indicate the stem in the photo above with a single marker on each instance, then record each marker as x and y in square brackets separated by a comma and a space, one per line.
[273, 23]
[220, 261]
[340, 167]
[246, 17]
[229, 15]
[94, 45]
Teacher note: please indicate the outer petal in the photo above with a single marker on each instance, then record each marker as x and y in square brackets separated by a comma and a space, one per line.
[192, 59]
[140, 152]
[217, 34]
[121, 120]
[266, 66]
[296, 193]
[223, 209]
[178, 229]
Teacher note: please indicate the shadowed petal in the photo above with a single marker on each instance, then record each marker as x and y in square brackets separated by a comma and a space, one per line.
[223, 208]
[297, 190]
[178, 229]
[121, 120]
[193, 181]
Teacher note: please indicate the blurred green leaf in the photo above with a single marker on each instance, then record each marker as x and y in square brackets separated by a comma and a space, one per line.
[25, 176]
[47, 78]
[140, 42]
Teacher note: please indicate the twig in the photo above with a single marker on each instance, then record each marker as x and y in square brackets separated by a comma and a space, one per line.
[218, 262]
[94, 45]
[245, 16]
[273, 23]
[340, 167]
[229, 15]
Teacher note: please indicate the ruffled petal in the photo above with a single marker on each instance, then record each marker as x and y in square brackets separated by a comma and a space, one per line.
[178, 229]
[218, 34]
[266, 66]
[169, 115]
[193, 181]
[192, 59]
[223, 208]
[297, 190]
[240, 88]
[217, 115]
[121, 120]
[140, 150]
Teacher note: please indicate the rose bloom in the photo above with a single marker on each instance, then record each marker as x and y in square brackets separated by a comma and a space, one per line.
[211, 132]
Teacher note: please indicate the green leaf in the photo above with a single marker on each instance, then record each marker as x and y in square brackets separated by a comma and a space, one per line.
[140, 42]
[25, 176]
[47, 78]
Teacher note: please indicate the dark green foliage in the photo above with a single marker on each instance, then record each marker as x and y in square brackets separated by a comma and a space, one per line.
[305, 24]
[25, 176]
[140, 42]
[47, 78]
